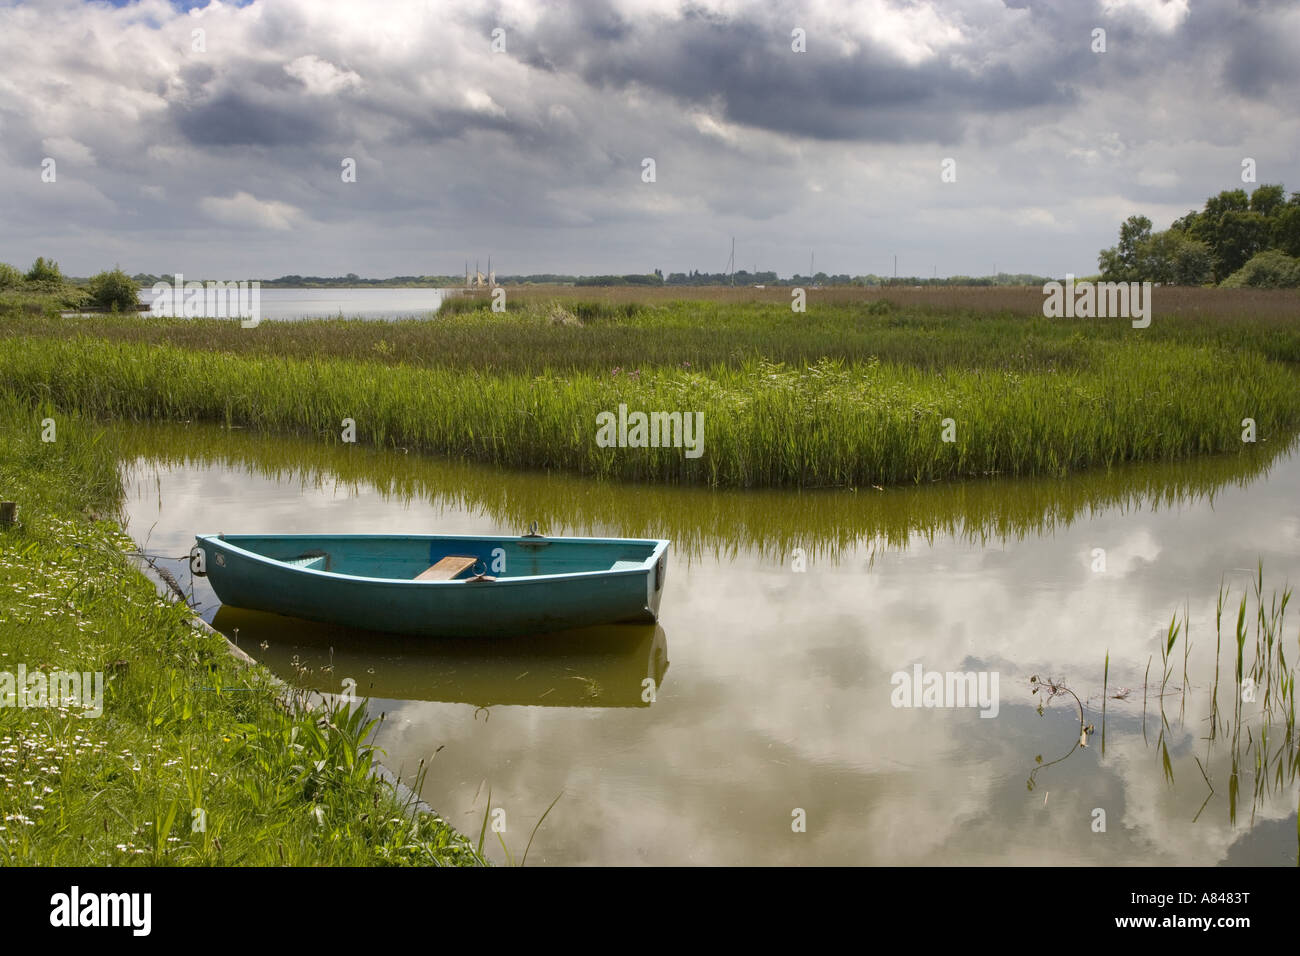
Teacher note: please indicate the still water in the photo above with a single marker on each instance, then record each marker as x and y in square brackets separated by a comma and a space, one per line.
[772, 736]
[288, 304]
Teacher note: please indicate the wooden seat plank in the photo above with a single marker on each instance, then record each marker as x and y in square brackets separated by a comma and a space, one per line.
[447, 568]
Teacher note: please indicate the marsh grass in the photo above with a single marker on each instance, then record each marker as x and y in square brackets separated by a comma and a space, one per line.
[1252, 306]
[1256, 742]
[505, 847]
[829, 424]
[851, 393]
[184, 728]
[1105, 688]
[540, 332]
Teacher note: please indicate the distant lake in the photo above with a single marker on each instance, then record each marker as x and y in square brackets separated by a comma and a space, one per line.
[350, 303]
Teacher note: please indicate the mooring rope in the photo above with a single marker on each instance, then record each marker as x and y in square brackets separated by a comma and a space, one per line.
[169, 579]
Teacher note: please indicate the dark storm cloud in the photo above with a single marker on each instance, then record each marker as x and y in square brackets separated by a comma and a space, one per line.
[1261, 60]
[747, 66]
[414, 126]
[237, 120]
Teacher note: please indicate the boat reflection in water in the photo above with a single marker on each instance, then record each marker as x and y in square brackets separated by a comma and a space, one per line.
[619, 665]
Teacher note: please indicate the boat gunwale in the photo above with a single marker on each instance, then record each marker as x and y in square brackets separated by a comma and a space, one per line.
[660, 547]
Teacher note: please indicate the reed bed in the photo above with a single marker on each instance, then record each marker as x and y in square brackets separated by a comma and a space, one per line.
[1250, 304]
[829, 424]
[539, 333]
[827, 525]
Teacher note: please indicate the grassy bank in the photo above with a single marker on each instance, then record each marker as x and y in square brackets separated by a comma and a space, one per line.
[184, 727]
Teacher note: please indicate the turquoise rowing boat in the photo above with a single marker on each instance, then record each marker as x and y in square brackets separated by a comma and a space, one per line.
[438, 585]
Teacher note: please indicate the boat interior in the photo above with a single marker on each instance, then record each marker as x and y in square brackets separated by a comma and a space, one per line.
[447, 559]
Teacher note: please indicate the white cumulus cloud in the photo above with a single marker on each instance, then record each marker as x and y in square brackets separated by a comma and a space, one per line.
[321, 77]
[245, 209]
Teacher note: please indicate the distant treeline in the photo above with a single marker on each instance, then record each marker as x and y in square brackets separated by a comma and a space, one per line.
[655, 278]
[743, 277]
[1237, 239]
[871, 279]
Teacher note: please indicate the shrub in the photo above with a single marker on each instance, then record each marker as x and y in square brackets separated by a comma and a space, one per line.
[114, 290]
[44, 272]
[1267, 270]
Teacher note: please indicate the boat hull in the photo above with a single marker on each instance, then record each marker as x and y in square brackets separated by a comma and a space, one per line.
[544, 584]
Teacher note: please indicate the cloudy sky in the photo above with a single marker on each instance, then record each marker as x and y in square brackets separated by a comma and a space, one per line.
[222, 152]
